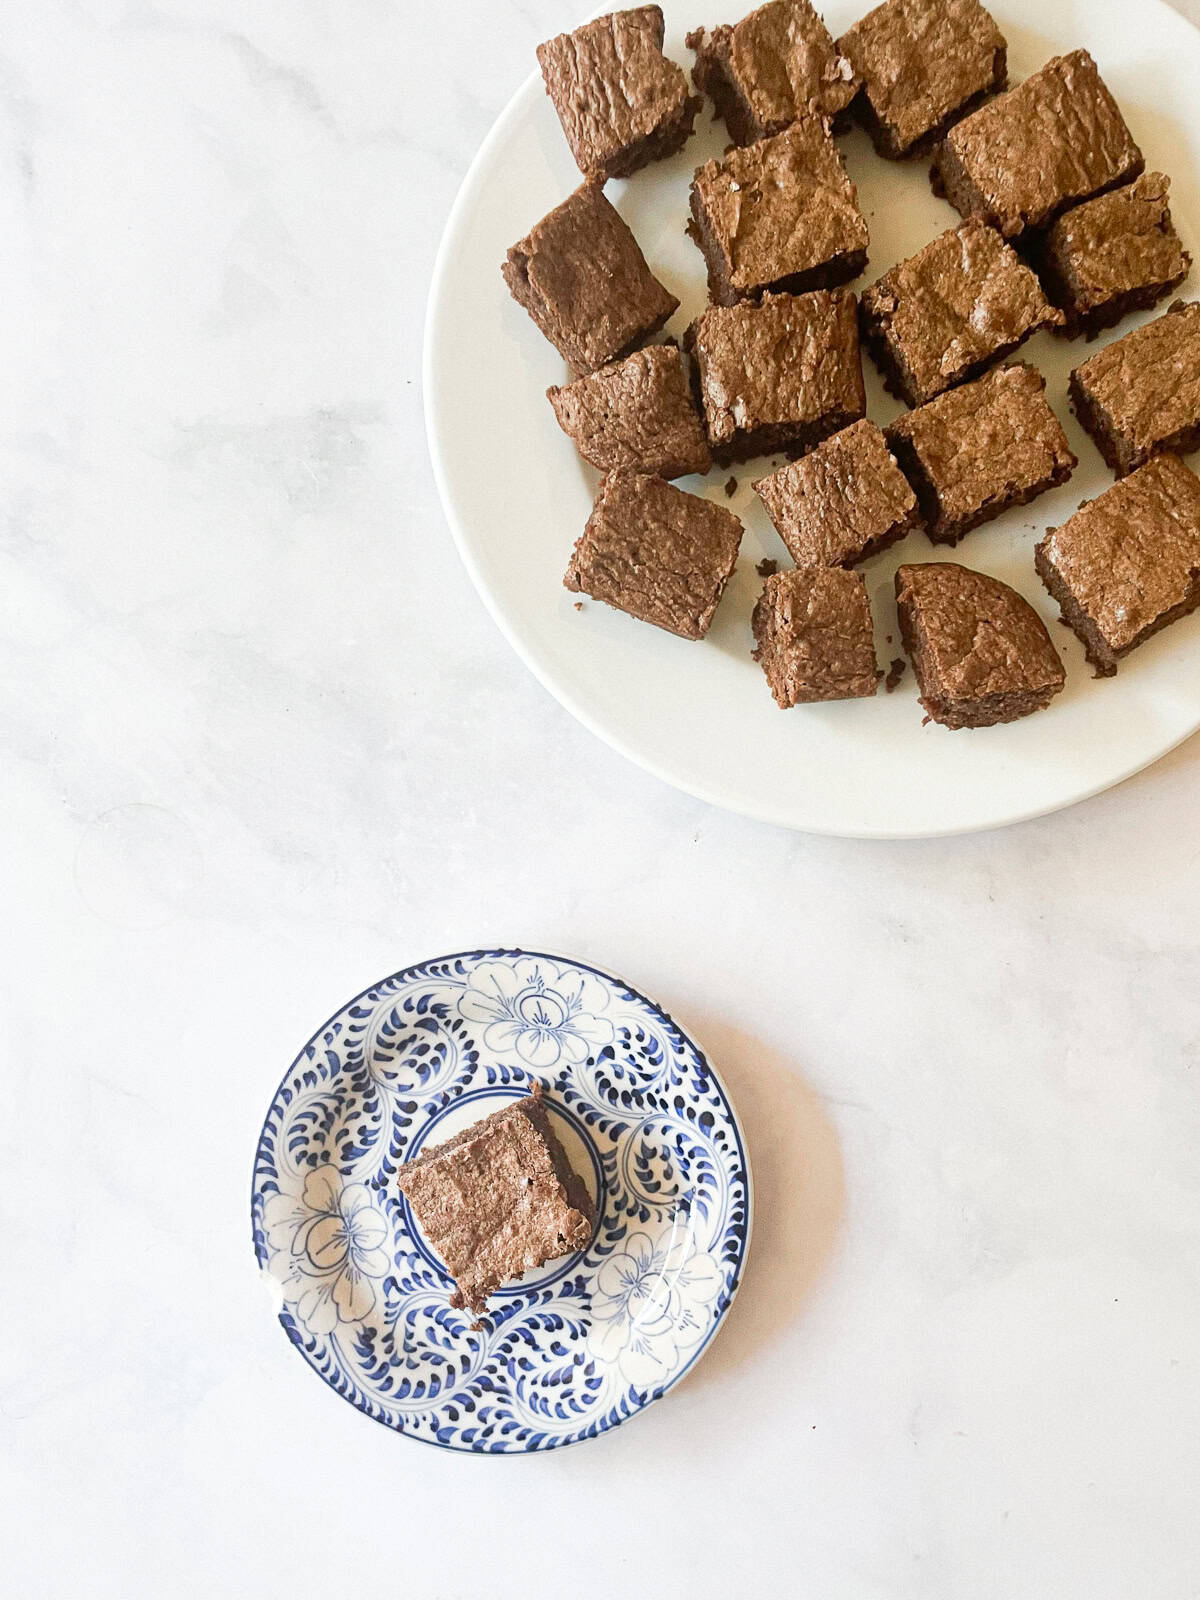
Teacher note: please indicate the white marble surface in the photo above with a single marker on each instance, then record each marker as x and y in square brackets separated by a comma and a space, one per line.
[262, 745]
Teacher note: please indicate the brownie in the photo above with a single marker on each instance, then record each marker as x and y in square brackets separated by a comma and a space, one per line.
[844, 501]
[582, 278]
[763, 71]
[1128, 563]
[655, 552]
[498, 1199]
[923, 65]
[779, 214]
[621, 103]
[1141, 394]
[1113, 255]
[638, 414]
[975, 451]
[1055, 139]
[777, 375]
[980, 651]
[945, 314]
[813, 636]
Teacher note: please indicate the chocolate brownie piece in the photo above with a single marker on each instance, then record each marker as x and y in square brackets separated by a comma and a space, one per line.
[621, 103]
[1054, 140]
[497, 1199]
[844, 501]
[638, 413]
[778, 375]
[975, 451]
[1141, 394]
[945, 314]
[582, 278]
[1128, 563]
[779, 214]
[813, 636]
[763, 71]
[923, 65]
[980, 651]
[1113, 255]
[655, 552]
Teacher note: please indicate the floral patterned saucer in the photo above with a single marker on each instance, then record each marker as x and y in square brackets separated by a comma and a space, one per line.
[574, 1348]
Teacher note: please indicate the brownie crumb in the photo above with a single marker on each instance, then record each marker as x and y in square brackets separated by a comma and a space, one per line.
[730, 486]
[579, 605]
[895, 672]
[767, 567]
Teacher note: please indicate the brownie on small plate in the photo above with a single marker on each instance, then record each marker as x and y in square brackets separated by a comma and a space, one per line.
[637, 414]
[659, 554]
[583, 279]
[923, 65]
[975, 451]
[980, 651]
[813, 635]
[1127, 563]
[1054, 140]
[1141, 394]
[621, 103]
[778, 375]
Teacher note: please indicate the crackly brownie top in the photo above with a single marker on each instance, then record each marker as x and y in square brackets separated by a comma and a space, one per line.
[1118, 242]
[921, 59]
[782, 205]
[1133, 553]
[962, 297]
[782, 59]
[814, 633]
[833, 502]
[1057, 137]
[1148, 382]
[636, 413]
[976, 635]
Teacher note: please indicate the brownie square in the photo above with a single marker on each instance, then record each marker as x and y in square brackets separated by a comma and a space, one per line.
[1128, 563]
[498, 1199]
[1113, 255]
[638, 414]
[1141, 394]
[1054, 140]
[948, 312]
[844, 501]
[780, 214]
[923, 65]
[778, 375]
[655, 552]
[621, 103]
[582, 278]
[813, 636]
[975, 451]
[980, 651]
[763, 71]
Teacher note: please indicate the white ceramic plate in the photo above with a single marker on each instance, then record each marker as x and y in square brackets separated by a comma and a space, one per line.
[699, 715]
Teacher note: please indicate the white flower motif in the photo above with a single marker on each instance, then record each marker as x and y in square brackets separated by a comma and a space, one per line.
[652, 1303]
[326, 1250]
[544, 1013]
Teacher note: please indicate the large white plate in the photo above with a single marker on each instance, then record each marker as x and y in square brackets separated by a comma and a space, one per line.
[699, 715]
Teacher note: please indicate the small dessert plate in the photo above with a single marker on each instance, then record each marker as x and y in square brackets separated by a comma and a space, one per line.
[574, 1348]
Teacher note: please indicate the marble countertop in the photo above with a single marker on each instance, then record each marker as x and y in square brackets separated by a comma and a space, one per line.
[263, 745]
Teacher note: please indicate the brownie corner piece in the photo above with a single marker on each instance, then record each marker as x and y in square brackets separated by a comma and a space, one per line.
[636, 414]
[814, 637]
[1140, 395]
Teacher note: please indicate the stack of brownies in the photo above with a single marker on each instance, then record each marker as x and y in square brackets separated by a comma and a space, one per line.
[1061, 230]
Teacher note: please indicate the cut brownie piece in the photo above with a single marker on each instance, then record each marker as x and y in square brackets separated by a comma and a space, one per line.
[498, 1199]
[638, 413]
[844, 501]
[980, 651]
[763, 71]
[813, 635]
[974, 452]
[923, 65]
[1113, 255]
[1054, 140]
[1127, 563]
[780, 214]
[779, 375]
[582, 278]
[1141, 394]
[655, 552]
[621, 103]
[948, 312]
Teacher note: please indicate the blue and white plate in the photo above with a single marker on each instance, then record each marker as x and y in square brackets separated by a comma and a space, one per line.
[574, 1348]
